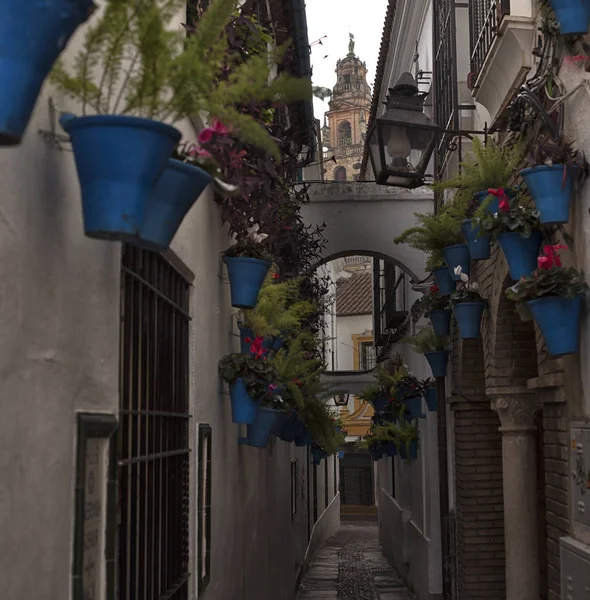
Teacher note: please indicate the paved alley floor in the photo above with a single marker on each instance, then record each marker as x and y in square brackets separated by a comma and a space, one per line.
[350, 566]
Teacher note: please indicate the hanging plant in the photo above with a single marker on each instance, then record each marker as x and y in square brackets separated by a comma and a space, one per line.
[468, 306]
[553, 295]
[438, 309]
[433, 347]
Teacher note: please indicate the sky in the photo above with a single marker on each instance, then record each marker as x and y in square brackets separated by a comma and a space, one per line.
[335, 19]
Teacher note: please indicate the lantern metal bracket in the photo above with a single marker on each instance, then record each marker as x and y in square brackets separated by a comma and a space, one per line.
[60, 141]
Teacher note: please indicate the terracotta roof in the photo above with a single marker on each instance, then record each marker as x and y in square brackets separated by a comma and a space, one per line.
[383, 50]
[354, 295]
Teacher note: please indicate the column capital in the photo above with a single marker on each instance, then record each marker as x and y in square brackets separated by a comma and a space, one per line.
[516, 412]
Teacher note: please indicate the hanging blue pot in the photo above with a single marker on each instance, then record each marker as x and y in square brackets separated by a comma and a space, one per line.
[431, 399]
[468, 316]
[573, 16]
[260, 431]
[32, 36]
[177, 190]
[390, 449]
[552, 195]
[444, 281]
[245, 279]
[438, 362]
[441, 320]
[243, 408]
[457, 255]
[341, 454]
[414, 406]
[304, 439]
[316, 455]
[403, 453]
[292, 429]
[521, 253]
[119, 162]
[376, 453]
[479, 247]
[558, 319]
[493, 206]
[380, 404]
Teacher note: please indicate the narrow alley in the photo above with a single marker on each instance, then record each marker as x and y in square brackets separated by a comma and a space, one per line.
[350, 566]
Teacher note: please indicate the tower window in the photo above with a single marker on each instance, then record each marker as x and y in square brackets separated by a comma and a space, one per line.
[340, 174]
[344, 133]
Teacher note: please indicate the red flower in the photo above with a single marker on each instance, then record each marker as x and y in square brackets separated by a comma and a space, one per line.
[550, 258]
[206, 135]
[220, 128]
[434, 289]
[275, 275]
[504, 205]
[256, 348]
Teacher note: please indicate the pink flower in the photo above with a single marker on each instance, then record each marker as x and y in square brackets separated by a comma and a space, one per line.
[200, 152]
[504, 205]
[272, 388]
[206, 135]
[220, 128]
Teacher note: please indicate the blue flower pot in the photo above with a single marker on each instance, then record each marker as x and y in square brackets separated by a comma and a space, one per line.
[441, 320]
[551, 194]
[438, 362]
[558, 319]
[119, 162]
[260, 431]
[376, 454]
[32, 36]
[457, 255]
[414, 407]
[492, 207]
[445, 282]
[243, 408]
[468, 316]
[341, 454]
[573, 16]
[403, 453]
[380, 404]
[316, 455]
[304, 439]
[177, 190]
[245, 279]
[479, 247]
[521, 253]
[431, 399]
[292, 429]
[390, 449]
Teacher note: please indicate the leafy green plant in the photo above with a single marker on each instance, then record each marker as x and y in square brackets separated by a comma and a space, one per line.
[258, 374]
[371, 393]
[134, 61]
[426, 341]
[549, 279]
[432, 235]
[492, 166]
[516, 214]
[433, 301]
[467, 291]
[280, 310]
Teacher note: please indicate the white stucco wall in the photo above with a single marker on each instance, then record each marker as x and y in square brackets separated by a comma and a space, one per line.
[346, 327]
[59, 354]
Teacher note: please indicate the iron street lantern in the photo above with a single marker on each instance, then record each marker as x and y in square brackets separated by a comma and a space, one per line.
[341, 399]
[402, 140]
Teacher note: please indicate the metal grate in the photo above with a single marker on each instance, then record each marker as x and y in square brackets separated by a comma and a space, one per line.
[445, 72]
[357, 486]
[484, 19]
[368, 356]
[153, 441]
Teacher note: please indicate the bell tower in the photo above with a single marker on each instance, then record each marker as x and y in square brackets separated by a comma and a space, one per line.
[346, 127]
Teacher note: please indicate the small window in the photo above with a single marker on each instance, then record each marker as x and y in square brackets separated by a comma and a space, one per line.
[367, 358]
[347, 79]
[204, 508]
[340, 174]
[344, 133]
[293, 489]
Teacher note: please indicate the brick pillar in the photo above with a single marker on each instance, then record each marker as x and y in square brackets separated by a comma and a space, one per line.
[516, 407]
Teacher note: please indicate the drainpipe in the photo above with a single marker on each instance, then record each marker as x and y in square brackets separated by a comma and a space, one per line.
[304, 54]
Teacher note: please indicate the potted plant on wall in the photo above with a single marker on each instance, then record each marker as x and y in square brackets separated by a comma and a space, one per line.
[553, 294]
[271, 407]
[138, 73]
[437, 308]
[248, 262]
[557, 170]
[249, 378]
[33, 36]
[375, 396]
[430, 394]
[468, 306]
[439, 237]
[516, 227]
[434, 349]
[572, 16]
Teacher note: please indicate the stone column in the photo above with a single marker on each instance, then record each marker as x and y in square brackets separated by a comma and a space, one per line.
[519, 467]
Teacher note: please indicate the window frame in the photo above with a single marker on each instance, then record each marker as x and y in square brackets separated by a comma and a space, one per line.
[204, 506]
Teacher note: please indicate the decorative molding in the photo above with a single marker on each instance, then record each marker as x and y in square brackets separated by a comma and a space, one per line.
[516, 412]
[553, 380]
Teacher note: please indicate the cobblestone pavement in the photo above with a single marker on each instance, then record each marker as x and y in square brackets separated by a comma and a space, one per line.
[350, 566]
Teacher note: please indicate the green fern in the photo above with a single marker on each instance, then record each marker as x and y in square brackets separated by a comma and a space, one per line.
[426, 341]
[133, 61]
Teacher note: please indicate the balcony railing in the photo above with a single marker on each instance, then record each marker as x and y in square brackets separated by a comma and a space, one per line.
[484, 19]
[389, 300]
[445, 71]
[347, 141]
[344, 151]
